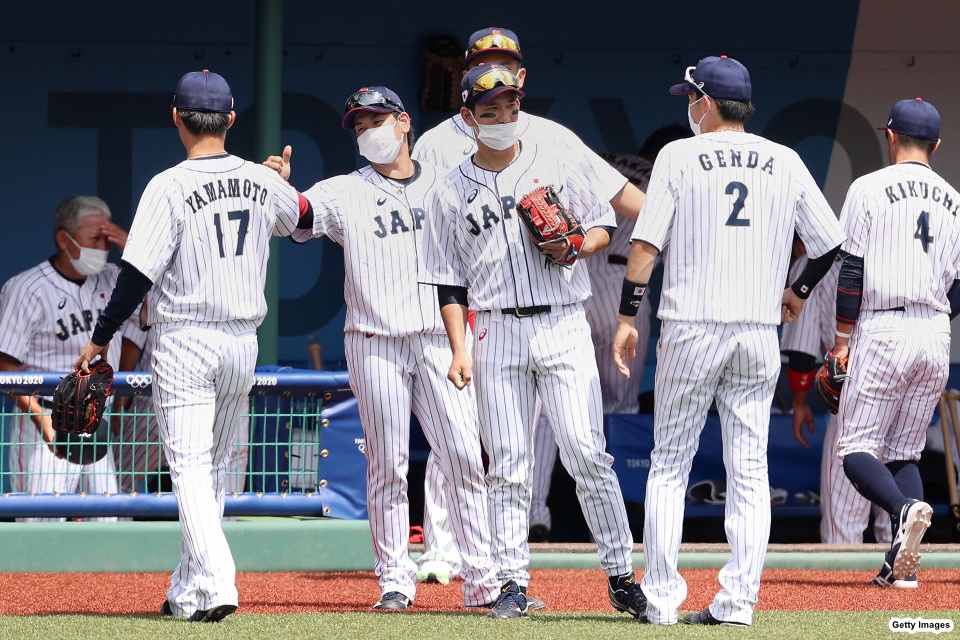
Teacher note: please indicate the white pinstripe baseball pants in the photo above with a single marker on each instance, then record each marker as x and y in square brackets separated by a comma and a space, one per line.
[899, 363]
[550, 355]
[202, 378]
[737, 365]
[390, 376]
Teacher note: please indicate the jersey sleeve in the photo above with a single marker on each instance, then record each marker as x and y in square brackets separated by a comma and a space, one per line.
[286, 204]
[855, 218]
[155, 231]
[327, 199]
[584, 200]
[439, 262]
[816, 222]
[660, 204]
[20, 316]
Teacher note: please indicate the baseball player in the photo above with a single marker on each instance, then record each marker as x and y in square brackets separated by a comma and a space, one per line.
[896, 293]
[46, 314]
[396, 347]
[723, 207]
[199, 244]
[447, 145]
[845, 514]
[531, 335]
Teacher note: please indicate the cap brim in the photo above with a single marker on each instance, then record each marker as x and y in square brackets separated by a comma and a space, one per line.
[348, 118]
[496, 91]
[682, 89]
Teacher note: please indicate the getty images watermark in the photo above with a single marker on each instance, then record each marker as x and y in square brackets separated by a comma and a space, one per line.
[920, 625]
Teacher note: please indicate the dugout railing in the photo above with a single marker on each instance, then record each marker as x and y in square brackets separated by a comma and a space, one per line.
[300, 447]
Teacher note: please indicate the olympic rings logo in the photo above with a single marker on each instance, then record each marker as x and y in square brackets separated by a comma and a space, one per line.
[140, 381]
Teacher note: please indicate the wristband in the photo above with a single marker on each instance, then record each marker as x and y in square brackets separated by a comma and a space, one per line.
[841, 334]
[799, 380]
[630, 296]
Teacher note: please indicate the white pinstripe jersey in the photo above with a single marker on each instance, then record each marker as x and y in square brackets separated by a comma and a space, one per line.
[474, 238]
[452, 141]
[379, 223]
[723, 208]
[201, 234]
[45, 319]
[813, 332]
[902, 220]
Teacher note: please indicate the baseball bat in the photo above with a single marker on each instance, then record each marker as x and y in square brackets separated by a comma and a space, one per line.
[315, 353]
[948, 413]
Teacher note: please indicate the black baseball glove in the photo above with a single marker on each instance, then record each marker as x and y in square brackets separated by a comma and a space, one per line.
[78, 405]
[829, 380]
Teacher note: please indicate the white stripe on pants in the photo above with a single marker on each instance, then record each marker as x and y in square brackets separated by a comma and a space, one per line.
[737, 365]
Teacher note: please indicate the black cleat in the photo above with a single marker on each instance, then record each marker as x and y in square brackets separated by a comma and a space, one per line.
[626, 595]
[393, 601]
[213, 615]
[705, 617]
[511, 603]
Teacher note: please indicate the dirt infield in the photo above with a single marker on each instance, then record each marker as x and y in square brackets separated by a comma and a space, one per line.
[561, 589]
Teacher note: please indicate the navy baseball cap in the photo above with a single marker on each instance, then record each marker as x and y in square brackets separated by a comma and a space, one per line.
[376, 99]
[492, 39]
[916, 118]
[203, 91]
[483, 83]
[718, 77]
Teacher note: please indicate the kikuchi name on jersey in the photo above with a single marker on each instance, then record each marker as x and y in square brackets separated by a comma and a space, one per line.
[918, 189]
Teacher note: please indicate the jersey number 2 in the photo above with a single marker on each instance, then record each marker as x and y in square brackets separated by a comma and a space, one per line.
[923, 231]
[734, 220]
[244, 217]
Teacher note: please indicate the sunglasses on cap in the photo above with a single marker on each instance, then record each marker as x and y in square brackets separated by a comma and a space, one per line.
[492, 79]
[688, 78]
[494, 41]
[371, 98]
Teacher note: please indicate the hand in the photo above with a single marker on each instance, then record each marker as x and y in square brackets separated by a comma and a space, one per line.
[556, 250]
[461, 370]
[625, 345]
[281, 163]
[115, 234]
[87, 354]
[791, 305]
[802, 415]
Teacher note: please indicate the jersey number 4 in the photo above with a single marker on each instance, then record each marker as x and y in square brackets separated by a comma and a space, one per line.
[923, 230]
[243, 217]
[735, 220]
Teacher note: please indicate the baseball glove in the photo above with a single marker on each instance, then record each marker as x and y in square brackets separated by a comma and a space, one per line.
[548, 221]
[829, 380]
[78, 405]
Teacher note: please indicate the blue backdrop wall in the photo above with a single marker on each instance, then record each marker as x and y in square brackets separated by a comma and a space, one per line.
[86, 97]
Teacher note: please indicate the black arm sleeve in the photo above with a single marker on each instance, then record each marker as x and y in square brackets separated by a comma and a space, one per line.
[850, 289]
[451, 295]
[127, 294]
[954, 297]
[812, 273]
[800, 362]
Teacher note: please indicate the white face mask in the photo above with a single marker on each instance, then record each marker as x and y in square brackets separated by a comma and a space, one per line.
[90, 262]
[380, 145]
[695, 126]
[498, 136]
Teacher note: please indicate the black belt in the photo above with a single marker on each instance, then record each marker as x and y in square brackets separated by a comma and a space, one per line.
[525, 312]
[895, 309]
[615, 259]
